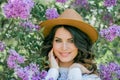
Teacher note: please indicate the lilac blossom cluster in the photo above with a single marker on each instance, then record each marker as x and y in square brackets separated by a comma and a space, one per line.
[14, 59]
[109, 3]
[110, 71]
[30, 72]
[2, 46]
[82, 3]
[61, 1]
[29, 26]
[51, 13]
[108, 17]
[18, 8]
[111, 33]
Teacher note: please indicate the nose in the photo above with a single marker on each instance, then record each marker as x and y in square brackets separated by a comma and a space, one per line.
[65, 46]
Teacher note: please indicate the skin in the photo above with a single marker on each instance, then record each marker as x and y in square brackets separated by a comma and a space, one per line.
[64, 48]
[64, 51]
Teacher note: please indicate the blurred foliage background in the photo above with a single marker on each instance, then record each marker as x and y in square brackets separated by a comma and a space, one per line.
[29, 43]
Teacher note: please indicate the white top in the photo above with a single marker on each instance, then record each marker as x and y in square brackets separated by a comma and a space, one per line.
[72, 74]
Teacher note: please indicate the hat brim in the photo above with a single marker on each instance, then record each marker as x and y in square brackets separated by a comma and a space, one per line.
[85, 27]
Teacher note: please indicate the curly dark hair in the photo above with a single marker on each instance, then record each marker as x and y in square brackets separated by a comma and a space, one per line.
[81, 41]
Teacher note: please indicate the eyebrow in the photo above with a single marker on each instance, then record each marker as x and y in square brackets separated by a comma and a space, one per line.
[60, 38]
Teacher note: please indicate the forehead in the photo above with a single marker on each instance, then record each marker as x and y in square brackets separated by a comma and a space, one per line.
[62, 32]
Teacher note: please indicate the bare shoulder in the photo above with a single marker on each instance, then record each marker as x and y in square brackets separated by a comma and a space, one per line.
[91, 77]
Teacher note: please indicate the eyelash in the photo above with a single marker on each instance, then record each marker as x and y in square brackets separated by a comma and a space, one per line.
[58, 40]
[71, 41]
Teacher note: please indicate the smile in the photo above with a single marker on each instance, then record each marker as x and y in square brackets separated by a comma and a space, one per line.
[65, 54]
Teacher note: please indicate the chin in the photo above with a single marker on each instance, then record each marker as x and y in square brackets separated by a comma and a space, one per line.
[65, 60]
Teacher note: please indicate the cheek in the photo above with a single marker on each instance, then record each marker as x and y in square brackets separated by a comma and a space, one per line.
[56, 47]
[73, 47]
[76, 52]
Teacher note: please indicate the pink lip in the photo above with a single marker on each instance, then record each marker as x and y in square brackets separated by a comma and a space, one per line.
[64, 54]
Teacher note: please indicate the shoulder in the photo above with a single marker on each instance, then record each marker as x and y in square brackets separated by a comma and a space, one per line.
[90, 77]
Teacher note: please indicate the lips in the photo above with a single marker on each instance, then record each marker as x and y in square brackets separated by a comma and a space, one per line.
[65, 54]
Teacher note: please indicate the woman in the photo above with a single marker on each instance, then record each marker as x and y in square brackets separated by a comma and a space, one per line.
[68, 44]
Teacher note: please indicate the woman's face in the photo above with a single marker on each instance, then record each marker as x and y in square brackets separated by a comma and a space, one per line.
[63, 46]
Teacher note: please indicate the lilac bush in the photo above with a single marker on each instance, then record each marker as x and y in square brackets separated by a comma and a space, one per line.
[109, 3]
[14, 58]
[29, 26]
[61, 1]
[83, 3]
[110, 71]
[29, 72]
[108, 17]
[18, 8]
[111, 33]
[21, 36]
[2, 46]
[51, 13]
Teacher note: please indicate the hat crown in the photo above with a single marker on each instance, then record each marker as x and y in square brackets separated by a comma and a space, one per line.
[72, 18]
[71, 14]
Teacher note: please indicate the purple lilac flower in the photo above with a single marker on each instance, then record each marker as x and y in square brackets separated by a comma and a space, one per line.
[118, 31]
[30, 3]
[22, 73]
[61, 1]
[14, 58]
[118, 73]
[51, 13]
[2, 46]
[110, 71]
[51, 78]
[18, 8]
[108, 17]
[30, 72]
[36, 76]
[112, 67]
[110, 33]
[30, 26]
[10, 62]
[83, 3]
[109, 3]
[104, 73]
[43, 74]
[33, 67]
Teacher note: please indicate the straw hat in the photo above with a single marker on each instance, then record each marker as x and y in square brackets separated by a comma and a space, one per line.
[72, 18]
